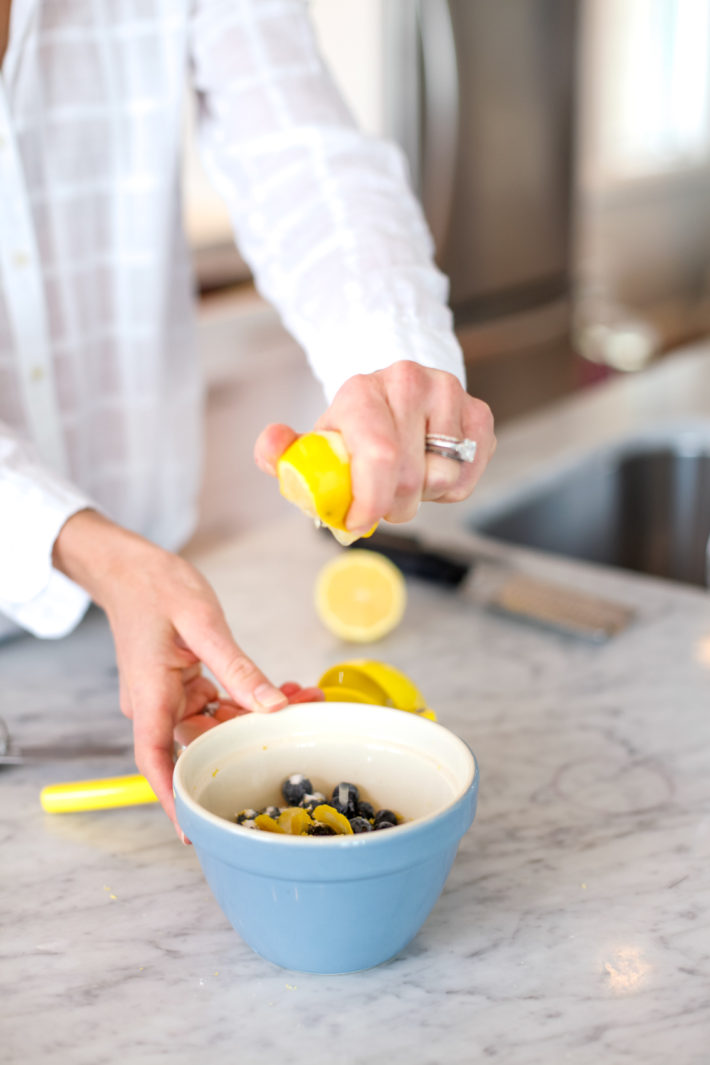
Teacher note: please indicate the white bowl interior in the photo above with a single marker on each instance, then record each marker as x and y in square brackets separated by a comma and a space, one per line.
[398, 760]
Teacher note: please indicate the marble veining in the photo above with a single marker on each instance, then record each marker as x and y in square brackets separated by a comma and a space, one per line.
[575, 925]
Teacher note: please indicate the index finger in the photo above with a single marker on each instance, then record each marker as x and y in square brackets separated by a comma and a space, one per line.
[207, 634]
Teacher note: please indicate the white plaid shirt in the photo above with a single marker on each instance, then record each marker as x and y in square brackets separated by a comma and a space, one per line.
[100, 393]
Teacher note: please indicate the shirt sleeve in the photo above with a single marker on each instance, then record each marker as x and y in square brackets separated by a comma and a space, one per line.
[34, 505]
[323, 214]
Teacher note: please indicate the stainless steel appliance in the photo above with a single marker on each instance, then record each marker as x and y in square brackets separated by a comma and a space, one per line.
[642, 505]
[481, 96]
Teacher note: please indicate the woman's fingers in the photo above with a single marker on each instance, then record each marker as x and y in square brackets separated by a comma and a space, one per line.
[166, 621]
[207, 634]
[289, 688]
[199, 692]
[449, 480]
[307, 695]
[384, 418]
[271, 444]
[220, 709]
[161, 694]
[361, 414]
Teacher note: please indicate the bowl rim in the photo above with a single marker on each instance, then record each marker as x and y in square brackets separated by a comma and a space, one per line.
[265, 839]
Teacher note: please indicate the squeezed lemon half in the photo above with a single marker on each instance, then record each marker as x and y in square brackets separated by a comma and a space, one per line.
[365, 680]
[360, 596]
[314, 473]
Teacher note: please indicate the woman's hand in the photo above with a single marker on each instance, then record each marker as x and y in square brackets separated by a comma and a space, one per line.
[384, 418]
[223, 709]
[166, 622]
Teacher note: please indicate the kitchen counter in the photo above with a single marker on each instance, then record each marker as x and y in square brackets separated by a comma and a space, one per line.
[575, 925]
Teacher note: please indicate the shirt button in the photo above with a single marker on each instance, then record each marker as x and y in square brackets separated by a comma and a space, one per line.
[21, 259]
[37, 374]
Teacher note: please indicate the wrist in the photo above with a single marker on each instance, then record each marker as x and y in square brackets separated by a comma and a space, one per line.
[91, 550]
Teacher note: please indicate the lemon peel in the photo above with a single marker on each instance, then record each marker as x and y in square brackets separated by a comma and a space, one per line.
[314, 474]
[295, 821]
[328, 815]
[268, 824]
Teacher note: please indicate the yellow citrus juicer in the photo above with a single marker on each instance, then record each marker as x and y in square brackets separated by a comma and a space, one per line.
[365, 680]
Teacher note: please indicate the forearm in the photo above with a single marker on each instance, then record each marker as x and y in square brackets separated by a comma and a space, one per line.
[323, 213]
[96, 553]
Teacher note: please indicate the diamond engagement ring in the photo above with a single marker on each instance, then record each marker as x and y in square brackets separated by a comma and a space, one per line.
[450, 447]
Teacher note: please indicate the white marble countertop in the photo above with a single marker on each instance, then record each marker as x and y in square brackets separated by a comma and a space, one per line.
[575, 926]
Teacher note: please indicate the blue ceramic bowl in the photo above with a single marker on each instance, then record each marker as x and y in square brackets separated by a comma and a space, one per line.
[331, 904]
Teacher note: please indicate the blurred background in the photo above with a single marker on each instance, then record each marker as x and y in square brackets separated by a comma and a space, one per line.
[561, 151]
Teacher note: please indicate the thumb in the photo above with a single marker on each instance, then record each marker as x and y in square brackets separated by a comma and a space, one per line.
[212, 642]
[271, 444]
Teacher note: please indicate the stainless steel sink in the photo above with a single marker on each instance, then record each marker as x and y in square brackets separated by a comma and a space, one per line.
[643, 505]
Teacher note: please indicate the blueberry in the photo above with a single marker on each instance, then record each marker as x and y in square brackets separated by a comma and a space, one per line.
[360, 824]
[345, 799]
[245, 815]
[272, 811]
[385, 815]
[319, 829]
[311, 800]
[364, 809]
[383, 824]
[295, 787]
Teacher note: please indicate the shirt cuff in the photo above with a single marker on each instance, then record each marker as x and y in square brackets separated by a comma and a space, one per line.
[376, 344]
[55, 612]
[35, 505]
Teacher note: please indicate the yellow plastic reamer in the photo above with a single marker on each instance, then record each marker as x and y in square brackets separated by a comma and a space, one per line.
[96, 794]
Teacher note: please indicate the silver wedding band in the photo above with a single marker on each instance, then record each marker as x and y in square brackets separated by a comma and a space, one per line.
[210, 710]
[450, 447]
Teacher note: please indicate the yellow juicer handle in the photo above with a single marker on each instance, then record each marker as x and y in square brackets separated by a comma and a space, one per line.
[96, 794]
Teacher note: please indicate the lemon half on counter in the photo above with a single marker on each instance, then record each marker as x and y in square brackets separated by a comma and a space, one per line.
[360, 596]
